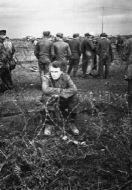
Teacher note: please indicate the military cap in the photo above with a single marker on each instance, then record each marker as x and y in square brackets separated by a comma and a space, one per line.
[59, 35]
[87, 35]
[2, 32]
[46, 33]
[75, 35]
[103, 35]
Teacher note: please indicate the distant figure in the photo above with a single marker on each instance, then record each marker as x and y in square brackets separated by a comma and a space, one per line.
[104, 50]
[3, 60]
[128, 76]
[6, 55]
[10, 50]
[61, 88]
[119, 45]
[75, 54]
[61, 51]
[43, 53]
[87, 48]
[95, 59]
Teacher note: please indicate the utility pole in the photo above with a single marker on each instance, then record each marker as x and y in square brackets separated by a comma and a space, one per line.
[102, 19]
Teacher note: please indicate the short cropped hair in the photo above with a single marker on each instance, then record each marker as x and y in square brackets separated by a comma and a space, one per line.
[75, 35]
[46, 33]
[56, 64]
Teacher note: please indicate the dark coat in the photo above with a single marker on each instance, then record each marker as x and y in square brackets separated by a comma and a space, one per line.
[87, 47]
[3, 56]
[104, 49]
[61, 51]
[43, 50]
[128, 50]
[64, 86]
[128, 55]
[75, 48]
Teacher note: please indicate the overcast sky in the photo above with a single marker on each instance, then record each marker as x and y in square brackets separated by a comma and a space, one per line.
[31, 17]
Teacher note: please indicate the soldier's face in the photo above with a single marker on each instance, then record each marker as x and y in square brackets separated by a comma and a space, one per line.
[2, 36]
[55, 73]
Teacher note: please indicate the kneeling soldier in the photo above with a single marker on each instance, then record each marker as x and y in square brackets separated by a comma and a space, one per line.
[59, 85]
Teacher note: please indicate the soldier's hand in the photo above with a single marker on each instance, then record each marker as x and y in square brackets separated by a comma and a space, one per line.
[55, 96]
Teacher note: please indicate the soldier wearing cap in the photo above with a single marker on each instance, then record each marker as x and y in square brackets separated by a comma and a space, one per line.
[43, 53]
[87, 48]
[75, 54]
[10, 50]
[119, 45]
[4, 64]
[3, 34]
[104, 50]
[61, 51]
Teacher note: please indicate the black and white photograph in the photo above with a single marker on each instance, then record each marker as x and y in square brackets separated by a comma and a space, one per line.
[65, 95]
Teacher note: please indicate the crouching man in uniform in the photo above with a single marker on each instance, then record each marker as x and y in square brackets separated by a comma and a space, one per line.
[59, 85]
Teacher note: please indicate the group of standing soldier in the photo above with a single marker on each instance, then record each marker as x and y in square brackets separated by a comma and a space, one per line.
[94, 55]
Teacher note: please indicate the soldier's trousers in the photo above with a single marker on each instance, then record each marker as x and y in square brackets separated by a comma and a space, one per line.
[130, 94]
[103, 67]
[6, 79]
[63, 107]
[43, 63]
[130, 100]
[69, 104]
[64, 65]
[73, 64]
[43, 68]
[87, 61]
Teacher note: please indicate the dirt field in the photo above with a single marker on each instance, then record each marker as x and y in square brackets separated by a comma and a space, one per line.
[99, 158]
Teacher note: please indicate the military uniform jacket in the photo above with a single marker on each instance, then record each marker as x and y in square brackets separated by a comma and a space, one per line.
[3, 56]
[128, 50]
[10, 49]
[87, 46]
[75, 48]
[128, 56]
[60, 51]
[43, 50]
[104, 48]
[64, 86]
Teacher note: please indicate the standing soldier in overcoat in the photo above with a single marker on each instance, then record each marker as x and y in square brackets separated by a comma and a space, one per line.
[104, 50]
[4, 63]
[87, 48]
[10, 50]
[75, 54]
[61, 51]
[43, 53]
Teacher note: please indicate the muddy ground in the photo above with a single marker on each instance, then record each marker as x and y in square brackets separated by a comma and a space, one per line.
[99, 158]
